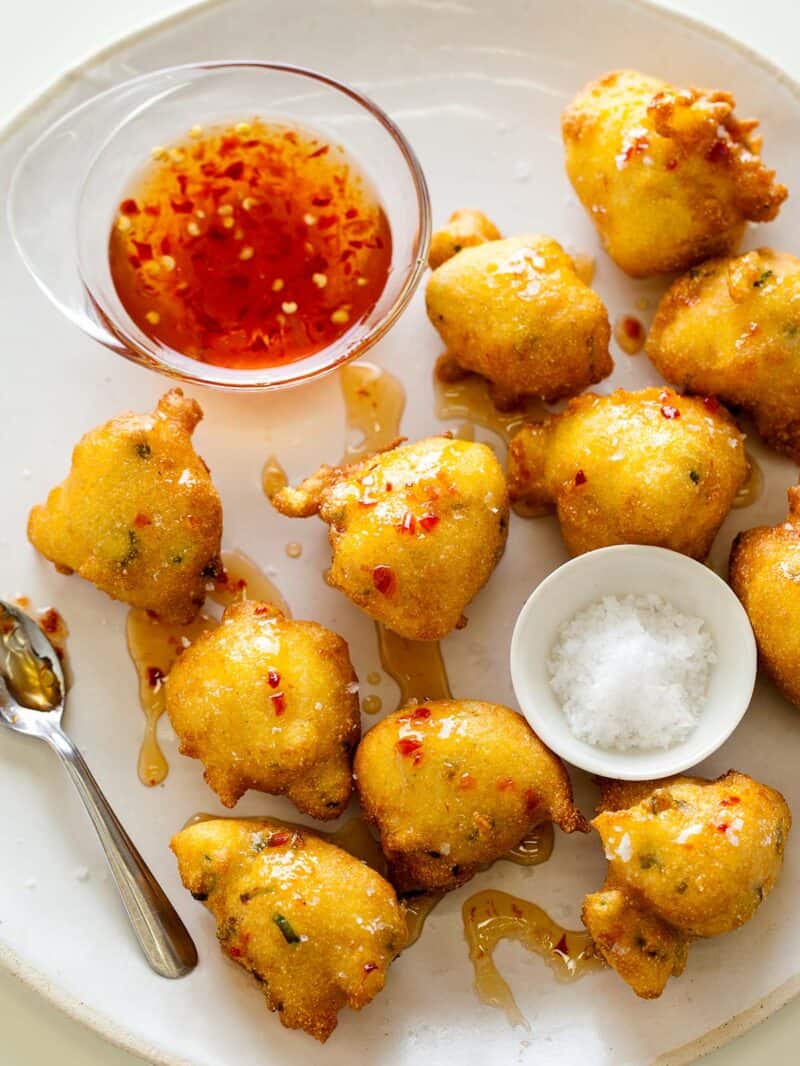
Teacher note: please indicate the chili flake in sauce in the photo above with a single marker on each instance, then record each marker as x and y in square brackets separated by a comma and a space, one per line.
[250, 245]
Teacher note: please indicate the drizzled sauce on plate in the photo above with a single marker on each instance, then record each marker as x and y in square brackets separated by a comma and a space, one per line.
[465, 396]
[416, 665]
[630, 334]
[491, 916]
[249, 245]
[374, 402]
[753, 486]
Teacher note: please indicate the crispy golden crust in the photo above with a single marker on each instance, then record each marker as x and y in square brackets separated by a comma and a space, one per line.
[269, 703]
[688, 858]
[668, 176]
[516, 312]
[731, 328]
[647, 467]
[765, 575]
[453, 784]
[138, 515]
[316, 927]
[464, 229]
[415, 531]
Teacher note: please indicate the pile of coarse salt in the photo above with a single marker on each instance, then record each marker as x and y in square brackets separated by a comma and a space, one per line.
[631, 672]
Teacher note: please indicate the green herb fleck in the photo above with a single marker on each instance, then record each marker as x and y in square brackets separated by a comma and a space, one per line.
[648, 861]
[133, 548]
[289, 935]
[763, 279]
[695, 477]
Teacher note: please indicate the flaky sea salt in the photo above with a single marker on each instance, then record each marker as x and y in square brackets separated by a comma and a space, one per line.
[632, 672]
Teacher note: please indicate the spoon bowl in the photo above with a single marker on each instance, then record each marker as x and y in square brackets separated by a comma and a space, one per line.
[26, 655]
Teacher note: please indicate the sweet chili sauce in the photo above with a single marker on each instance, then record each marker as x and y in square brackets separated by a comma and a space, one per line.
[250, 245]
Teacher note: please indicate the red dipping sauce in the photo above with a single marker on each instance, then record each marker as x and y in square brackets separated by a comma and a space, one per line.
[250, 246]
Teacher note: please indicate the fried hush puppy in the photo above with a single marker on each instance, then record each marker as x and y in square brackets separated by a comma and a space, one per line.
[269, 703]
[765, 575]
[516, 312]
[668, 176]
[454, 784]
[464, 229]
[137, 515]
[415, 531]
[731, 328]
[315, 927]
[647, 467]
[687, 858]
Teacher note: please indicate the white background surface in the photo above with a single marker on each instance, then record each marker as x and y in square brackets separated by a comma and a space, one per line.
[41, 39]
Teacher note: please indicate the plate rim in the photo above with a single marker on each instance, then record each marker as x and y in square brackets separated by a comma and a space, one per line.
[60, 997]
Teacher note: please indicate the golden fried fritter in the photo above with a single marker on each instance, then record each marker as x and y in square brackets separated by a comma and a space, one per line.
[415, 531]
[687, 858]
[138, 515]
[464, 229]
[516, 312]
[731, 328]
[668, 176]
[647, 467]
[454, 784]
[269, 703]
[765, 575]
[316, 927]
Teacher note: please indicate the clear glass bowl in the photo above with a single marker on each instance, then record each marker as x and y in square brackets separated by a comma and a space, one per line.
[66, 189]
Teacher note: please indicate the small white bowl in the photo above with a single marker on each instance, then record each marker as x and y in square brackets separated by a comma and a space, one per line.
[622, 570]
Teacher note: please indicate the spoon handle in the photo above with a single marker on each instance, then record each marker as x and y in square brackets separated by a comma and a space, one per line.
[162, 935]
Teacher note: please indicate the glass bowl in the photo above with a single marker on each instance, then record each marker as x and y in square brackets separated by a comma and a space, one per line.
[66, 190]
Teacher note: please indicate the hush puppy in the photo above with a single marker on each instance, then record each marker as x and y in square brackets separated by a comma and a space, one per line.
[731, 328]
[668, 176]
[415, 531]
[315, 927]
[687, 858]
[269, 703]
[452, 785]
[137, 515]
[516, 312]
[647, 467]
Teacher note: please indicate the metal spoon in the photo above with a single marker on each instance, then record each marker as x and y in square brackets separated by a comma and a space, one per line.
[32, 697]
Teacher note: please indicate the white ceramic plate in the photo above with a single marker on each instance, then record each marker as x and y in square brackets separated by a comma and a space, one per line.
[478, 90]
